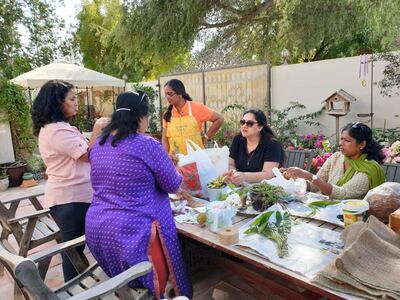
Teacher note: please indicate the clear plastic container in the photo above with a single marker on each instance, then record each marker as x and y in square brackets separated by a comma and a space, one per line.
[354, 211]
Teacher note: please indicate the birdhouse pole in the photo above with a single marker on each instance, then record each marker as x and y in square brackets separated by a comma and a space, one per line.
[337, 129]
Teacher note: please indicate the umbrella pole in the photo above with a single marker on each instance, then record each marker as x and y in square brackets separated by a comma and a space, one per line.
[113, 99]
[87, 102]
[30, 95]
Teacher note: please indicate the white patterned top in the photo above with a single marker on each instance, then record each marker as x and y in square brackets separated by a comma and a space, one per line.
[333, 170]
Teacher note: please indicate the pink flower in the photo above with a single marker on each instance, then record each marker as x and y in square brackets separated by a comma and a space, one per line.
[387, 152]
[397, 159]
[318, 144]
[327, 155]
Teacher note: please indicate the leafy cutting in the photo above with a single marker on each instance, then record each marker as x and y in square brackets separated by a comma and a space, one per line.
[277, 232]
[316, 205]
[217, 183]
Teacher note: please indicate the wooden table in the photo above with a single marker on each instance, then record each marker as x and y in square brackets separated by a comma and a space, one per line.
[263, 272]
[17, 194]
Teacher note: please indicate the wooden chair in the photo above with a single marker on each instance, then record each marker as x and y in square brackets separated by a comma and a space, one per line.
[92, 283]
[29, 230]
[298, 158]
[392, 172]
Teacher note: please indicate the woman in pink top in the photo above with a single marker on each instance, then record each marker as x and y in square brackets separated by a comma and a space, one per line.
[64, 149]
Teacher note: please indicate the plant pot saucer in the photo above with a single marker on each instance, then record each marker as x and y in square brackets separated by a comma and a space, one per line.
[29, 183]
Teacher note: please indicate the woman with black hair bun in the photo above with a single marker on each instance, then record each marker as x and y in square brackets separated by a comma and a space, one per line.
[255, 151]
[64, 150]
[130, 219]
[184, 119]
[352, 172]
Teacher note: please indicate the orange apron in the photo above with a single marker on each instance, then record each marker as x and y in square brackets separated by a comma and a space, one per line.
[182, 128]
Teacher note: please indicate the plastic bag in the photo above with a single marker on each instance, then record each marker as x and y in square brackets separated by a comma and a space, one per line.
[191, 178]
[219, 215]
[296, 187]
[219, 157]
[205, 167]
[383, 200]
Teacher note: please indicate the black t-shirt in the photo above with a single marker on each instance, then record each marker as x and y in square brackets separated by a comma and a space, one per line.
[267, 150]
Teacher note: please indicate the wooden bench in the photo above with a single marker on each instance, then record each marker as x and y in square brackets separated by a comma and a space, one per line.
[392, 172]
[31, 229]
[91, 283]
[298, 158]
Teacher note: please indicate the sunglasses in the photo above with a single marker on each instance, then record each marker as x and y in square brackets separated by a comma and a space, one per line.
[248, 123]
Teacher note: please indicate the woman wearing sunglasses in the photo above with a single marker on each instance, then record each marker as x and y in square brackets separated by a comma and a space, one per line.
[255, 151]
[351, 172]
[184, 119]
[130, 219]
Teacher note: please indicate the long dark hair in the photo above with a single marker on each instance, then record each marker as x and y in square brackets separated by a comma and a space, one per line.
[130, 108]
[361, 132]
[47, 106]
[266, 132]
[177, 86]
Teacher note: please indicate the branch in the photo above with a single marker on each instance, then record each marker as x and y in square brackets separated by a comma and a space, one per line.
[242, 16]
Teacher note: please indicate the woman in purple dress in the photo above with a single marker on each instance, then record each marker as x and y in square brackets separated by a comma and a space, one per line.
[130, 218]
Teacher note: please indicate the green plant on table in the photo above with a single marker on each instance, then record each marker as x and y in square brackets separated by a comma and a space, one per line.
[217, 183]
[277, 232]
[263, 195]
[316, 205]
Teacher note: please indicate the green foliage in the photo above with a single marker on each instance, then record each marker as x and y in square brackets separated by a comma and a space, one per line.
[386, 135]
[38, 20]
[35, 163]
[136, 39]
[391, 74]
[3, 173]
[14, 104]
[285, 126]
[232, 114]
[152, 94]
[275, 231]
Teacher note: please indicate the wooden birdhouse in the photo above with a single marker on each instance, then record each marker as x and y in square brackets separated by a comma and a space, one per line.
[338, 104]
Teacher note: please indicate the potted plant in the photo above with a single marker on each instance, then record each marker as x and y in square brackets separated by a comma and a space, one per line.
[264, 195]
[15, 170]
[28, 180]
[217, 187]
[4, 180]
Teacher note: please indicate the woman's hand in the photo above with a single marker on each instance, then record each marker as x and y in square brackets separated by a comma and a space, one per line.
[295, 172]
[236, 177]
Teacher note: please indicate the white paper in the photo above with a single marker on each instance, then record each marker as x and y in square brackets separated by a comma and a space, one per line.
[311, 248]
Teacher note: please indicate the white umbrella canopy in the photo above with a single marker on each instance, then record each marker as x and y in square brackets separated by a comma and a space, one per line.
[79, 76]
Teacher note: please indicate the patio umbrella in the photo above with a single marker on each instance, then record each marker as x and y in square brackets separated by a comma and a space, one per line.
[79, 76]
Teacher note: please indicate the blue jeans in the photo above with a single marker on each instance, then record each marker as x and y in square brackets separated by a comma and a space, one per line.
[70, 218]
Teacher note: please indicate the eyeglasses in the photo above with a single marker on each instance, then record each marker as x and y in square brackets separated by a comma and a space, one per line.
[169, 95]
[249, 123]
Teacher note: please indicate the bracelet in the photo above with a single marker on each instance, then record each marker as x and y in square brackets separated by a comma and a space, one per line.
[206, 137]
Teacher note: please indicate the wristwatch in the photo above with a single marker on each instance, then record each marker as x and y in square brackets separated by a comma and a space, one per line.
[314, 177]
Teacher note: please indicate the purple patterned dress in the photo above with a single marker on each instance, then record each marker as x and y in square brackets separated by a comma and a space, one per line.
[130, 205]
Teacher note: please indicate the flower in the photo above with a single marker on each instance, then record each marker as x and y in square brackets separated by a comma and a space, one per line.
[392, 154]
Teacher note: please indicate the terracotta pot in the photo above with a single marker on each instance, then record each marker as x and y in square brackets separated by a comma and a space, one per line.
[15, 170]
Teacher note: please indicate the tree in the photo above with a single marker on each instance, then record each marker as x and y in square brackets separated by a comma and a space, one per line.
[391, 74]
[37, 19]
[154, 36]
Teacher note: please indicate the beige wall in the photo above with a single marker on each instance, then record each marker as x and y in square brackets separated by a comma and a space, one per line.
[6, 145]
[311, 83]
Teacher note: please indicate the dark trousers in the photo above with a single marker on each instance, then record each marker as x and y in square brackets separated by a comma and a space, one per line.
[70, 218]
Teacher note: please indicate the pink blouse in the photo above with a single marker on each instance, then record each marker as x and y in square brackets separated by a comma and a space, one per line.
[61, 145]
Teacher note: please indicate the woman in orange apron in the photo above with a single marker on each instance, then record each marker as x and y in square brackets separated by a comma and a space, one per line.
[184, 119]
